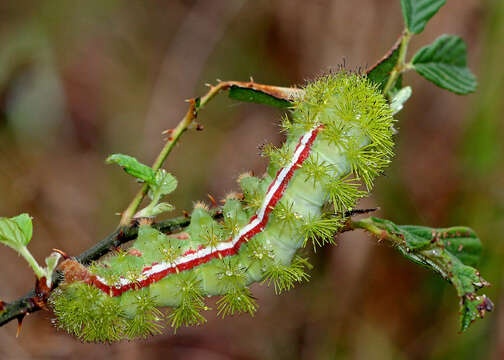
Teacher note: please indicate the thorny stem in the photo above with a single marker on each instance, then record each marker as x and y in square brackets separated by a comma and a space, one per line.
[28, 304]
[195, 105]
[401, 65]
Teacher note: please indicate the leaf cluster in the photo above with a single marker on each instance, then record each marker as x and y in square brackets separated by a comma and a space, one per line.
[160, 183]
[444, 62]
[450, 252]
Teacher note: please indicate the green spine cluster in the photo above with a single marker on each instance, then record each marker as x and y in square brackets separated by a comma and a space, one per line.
[354, 145]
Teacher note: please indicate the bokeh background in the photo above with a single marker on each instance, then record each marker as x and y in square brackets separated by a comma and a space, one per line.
[81, 80]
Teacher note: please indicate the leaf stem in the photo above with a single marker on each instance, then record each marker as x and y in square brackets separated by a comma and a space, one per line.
[368, 225]
[400, 66]
[24, 252]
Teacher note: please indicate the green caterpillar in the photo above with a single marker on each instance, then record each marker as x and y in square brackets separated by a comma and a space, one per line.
[340, 133]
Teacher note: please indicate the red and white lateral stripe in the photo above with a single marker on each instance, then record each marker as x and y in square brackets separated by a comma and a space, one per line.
[203, 255]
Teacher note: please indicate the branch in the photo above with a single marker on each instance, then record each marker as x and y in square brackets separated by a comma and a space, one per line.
[31, 301]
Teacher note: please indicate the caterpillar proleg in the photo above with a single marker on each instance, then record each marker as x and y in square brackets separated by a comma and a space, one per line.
[340, 134]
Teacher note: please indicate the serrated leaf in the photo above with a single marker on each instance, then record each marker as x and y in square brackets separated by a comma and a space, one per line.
[444, 63]
[417, 13]
[133, 167]
[12, 235]
[460, 241]
[256, 96]
[24, 221]
[399, 98]
[450, 252]
[380, 72]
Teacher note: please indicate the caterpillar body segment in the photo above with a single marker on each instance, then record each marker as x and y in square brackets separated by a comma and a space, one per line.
[340, 133]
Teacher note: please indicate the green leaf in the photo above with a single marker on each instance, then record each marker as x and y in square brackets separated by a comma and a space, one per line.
[256, 96]
[444, 63]
[24, 221]
[133, 167]
[164, 182]
[450, 252]
[460, 241]
[16, 233]
[12, 235]
[155, 210]
[380, 72]
[51, 263]
[161, 208]
[418, 12]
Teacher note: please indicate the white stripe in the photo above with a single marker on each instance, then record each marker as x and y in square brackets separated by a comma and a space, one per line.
[229, 244]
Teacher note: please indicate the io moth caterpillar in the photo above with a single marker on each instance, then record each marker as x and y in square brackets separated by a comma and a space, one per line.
[340, 134]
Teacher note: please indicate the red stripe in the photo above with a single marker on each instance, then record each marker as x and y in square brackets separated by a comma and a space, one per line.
[116, 291]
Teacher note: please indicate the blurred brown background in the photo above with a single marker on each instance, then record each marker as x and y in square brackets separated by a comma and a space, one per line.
[81, 80]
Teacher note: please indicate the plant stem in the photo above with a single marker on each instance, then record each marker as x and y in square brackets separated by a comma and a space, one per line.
[167, 148]
[400, 66]
[195, 105]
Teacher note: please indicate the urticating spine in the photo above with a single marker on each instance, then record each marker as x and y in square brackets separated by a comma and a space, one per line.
[340, 133]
